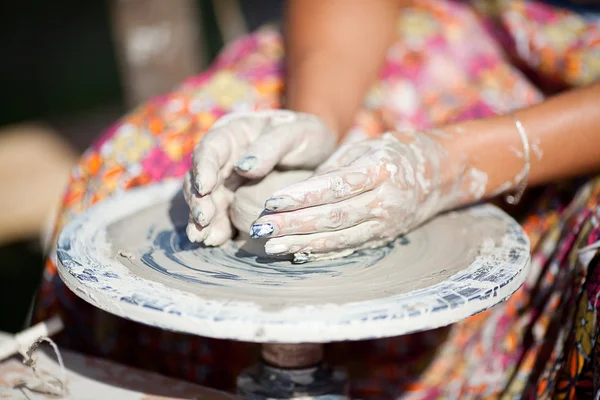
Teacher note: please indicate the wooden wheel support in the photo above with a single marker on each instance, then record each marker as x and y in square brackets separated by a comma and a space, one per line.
[292, 371]
[292, 355]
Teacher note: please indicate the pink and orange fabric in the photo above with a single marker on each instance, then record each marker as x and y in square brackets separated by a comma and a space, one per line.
[452, 61]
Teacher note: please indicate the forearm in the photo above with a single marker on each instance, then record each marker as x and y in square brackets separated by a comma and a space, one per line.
[335, 49]
[563, 133]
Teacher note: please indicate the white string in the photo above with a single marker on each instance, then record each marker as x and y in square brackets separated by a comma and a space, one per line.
[43, 382]
[58, 387]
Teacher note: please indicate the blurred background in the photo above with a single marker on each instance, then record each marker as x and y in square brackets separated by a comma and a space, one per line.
[68, 70]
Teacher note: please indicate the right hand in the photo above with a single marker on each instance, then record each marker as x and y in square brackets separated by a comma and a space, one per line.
[364, 196]
[247, 145]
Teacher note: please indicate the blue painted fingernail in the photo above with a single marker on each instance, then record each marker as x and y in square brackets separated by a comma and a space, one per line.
[261, 230]
[246, 163]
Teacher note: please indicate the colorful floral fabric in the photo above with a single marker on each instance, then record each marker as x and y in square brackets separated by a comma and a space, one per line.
[452, 61]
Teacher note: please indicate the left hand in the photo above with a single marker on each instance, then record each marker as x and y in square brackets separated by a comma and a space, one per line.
[247, 146]
[365, 195]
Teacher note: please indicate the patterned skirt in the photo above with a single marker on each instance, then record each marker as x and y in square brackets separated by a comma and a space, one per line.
[452, 61]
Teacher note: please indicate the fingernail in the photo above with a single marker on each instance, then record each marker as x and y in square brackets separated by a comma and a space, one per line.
[246, 163]
[261, 230]
[276, 203]
[276, 248]
[198, 186]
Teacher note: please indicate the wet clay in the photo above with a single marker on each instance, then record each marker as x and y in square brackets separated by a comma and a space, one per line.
[249, 199]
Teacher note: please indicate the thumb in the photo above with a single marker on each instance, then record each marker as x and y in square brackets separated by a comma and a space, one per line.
[267, 151]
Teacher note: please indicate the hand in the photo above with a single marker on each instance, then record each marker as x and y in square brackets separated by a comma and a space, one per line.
[247, 145]
[365, 195]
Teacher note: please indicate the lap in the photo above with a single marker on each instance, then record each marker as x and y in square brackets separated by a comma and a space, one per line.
[429, 78]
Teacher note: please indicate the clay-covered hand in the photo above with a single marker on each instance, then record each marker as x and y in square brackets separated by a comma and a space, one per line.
[247, 145]
[365, 195]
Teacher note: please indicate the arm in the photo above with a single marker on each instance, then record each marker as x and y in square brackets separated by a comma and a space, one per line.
[335, 51]
[563, 132]
[336, 48]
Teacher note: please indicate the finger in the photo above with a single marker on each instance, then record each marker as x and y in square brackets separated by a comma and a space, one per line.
[219, 231]
[267, 151]
[213, 156]
[188, 189]
[316, 142]
[325, 218]
[194, 232]
[289, 139]
[202, 208]
[304, 246]
[215, 234]
[340, 184]
[222, 198]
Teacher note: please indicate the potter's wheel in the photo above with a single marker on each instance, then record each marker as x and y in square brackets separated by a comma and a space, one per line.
[129, 255]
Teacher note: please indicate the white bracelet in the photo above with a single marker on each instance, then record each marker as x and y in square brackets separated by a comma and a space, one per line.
[524, 174]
